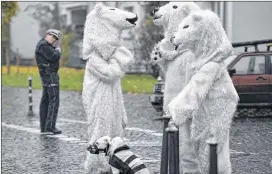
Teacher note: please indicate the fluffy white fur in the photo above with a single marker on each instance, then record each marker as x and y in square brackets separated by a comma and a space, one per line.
[173, 63]
[105, 66]
[107, 24]
[209, 99]
[169, 17]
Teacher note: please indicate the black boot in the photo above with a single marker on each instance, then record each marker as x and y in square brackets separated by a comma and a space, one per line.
[56, 131]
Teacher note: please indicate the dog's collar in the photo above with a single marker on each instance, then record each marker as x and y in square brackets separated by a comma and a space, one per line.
[124, 147]
[106, 150]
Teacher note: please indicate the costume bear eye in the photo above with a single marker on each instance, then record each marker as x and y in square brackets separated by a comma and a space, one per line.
[112, 9]
[175, 6]
[185, 26]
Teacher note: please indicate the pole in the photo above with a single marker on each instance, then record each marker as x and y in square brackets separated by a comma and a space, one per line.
[17, 60]
[164, 153]
[8, 51]
[213, 155]
[30, 111]
[173, 148]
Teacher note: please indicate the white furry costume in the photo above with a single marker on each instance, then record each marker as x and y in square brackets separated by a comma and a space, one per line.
[175, 65]
[209, 98]
[105, 66]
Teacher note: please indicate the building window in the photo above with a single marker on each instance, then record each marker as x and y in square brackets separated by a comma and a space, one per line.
[130, 9]
[78, 16]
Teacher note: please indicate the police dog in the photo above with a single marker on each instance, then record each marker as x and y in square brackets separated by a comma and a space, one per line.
[121, 157]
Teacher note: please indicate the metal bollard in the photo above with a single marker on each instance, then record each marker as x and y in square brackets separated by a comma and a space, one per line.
[30, 111]
[164, 153]
[213, 155]
[173, 147]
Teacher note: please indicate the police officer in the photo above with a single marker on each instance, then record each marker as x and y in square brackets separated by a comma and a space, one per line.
[47, 57]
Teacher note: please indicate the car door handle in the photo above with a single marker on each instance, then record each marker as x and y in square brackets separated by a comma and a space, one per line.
[261, 78]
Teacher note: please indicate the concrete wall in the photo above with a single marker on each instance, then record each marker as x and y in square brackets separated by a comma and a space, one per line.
[205, 4]
[244, 21]
[24, 32]
[252, 21]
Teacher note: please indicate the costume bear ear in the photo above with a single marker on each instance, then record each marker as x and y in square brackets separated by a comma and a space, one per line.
[98, 6]
[186, 9]
[197, 17]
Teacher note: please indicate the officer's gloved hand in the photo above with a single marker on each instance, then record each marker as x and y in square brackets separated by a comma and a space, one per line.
[58, 49]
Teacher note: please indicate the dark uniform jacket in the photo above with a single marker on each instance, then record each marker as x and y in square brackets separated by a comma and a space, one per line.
[47, 59]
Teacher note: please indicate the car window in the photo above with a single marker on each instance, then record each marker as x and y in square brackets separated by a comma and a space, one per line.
[250, 65]
[229, 60]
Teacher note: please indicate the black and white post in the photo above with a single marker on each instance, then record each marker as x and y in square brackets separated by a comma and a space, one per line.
[164, 152]
[213, 155]
[173, 147]
[30, 104]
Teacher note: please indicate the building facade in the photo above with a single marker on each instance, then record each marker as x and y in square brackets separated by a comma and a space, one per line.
[243, 21]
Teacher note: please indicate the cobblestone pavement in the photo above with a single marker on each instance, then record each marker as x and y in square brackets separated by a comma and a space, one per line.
[25, 150]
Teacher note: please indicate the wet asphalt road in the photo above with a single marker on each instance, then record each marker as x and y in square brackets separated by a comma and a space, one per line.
[26, 151]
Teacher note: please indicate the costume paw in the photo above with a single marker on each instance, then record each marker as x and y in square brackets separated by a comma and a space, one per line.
[123, 56]
[178, 112]
[155, 56]
[170, 112]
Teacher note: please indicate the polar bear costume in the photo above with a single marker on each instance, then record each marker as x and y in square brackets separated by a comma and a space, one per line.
[175, 65]
[209, 98]
[172, 63]
[105, 66]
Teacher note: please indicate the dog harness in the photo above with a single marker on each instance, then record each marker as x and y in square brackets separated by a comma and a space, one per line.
[125, 161]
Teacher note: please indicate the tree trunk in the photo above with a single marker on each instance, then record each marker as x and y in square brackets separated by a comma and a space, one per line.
[17, 61]
[8, 51]
[58, 27]
[57, 16]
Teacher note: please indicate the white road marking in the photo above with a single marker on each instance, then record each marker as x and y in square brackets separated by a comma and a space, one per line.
[72, 121]
[136, 129]
[82, 142]
[151, 132]
[37, 123]
[36, 131]
[73, 139]
[238, 152]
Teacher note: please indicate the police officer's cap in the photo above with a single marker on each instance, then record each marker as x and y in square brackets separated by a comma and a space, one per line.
[55, 33]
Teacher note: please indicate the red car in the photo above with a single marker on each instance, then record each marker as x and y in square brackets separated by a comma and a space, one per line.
[251, 73]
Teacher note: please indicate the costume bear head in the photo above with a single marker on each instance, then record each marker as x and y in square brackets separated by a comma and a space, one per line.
[202, 33]
[170, 15]
[103, 28]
